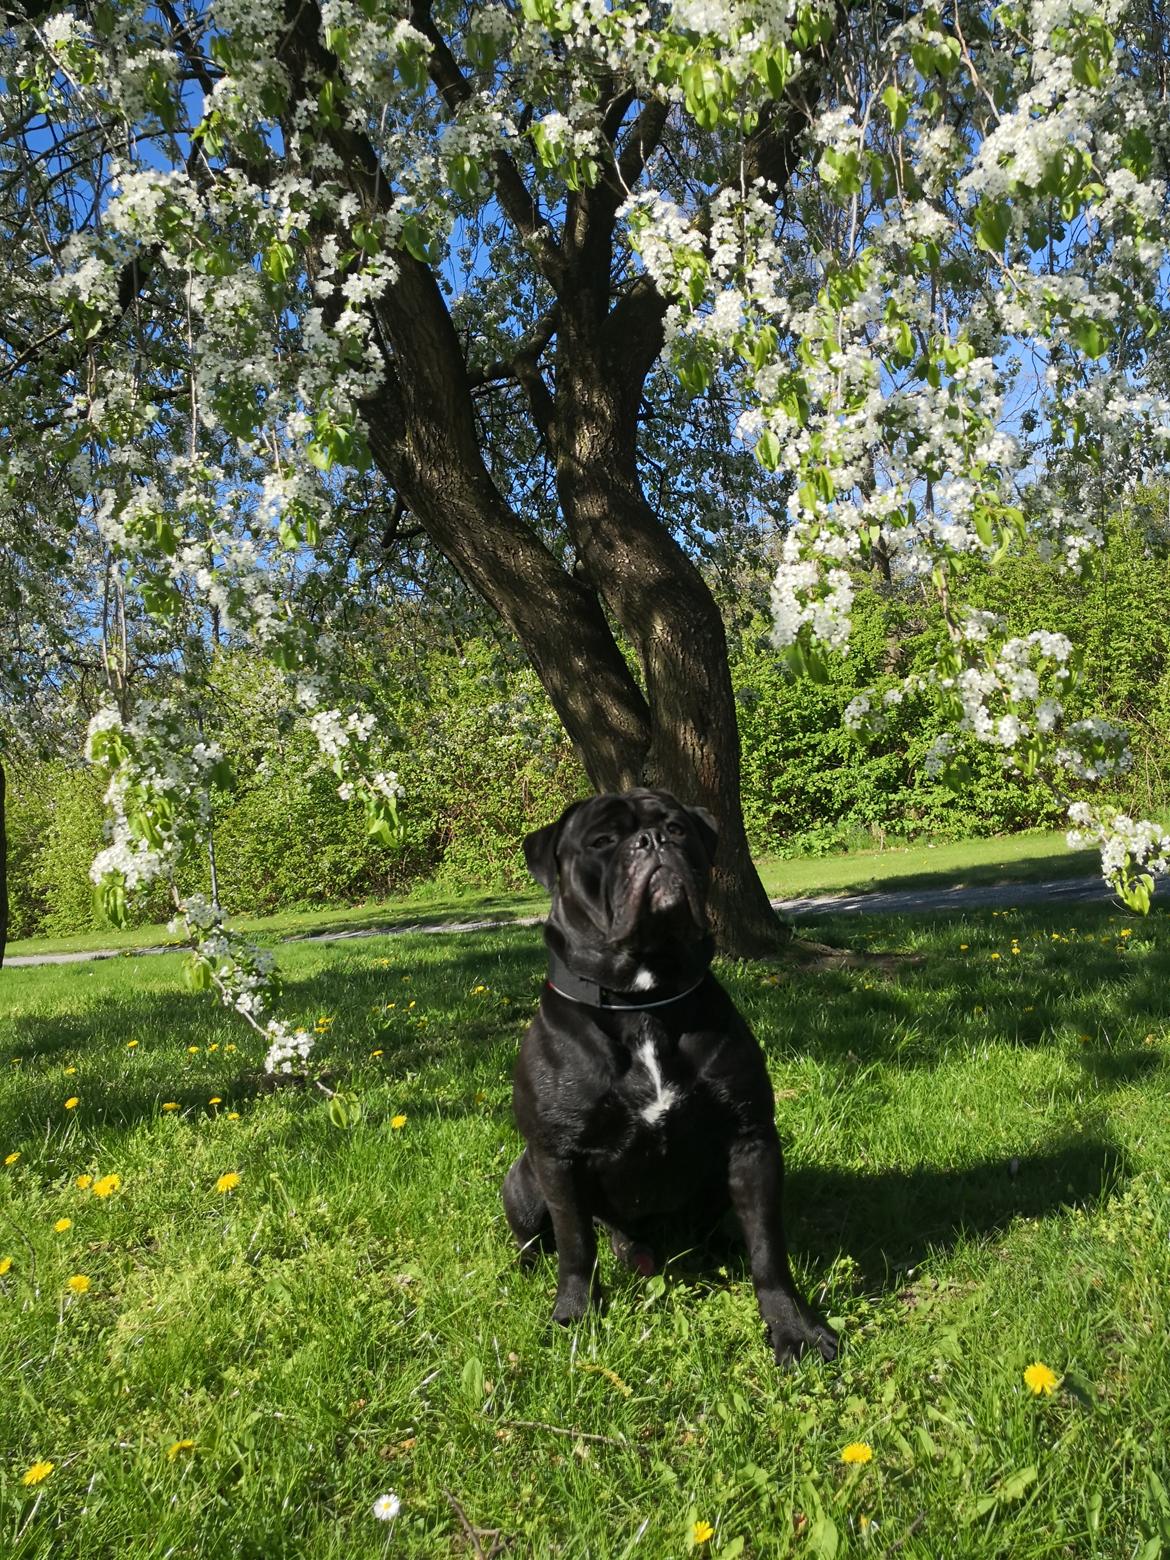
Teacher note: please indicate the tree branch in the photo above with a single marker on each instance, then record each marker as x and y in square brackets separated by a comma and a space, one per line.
[515, 198]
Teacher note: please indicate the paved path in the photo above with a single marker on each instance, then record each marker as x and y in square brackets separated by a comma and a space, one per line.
[916, 901]
[896, 901]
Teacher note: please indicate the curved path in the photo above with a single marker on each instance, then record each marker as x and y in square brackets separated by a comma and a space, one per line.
[895, 901]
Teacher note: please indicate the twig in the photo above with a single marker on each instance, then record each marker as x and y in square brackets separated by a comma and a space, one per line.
[906, 1536]
[578, 1435]
[474, 1534]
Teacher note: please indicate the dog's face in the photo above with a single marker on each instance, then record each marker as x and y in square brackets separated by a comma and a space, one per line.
[628, 873]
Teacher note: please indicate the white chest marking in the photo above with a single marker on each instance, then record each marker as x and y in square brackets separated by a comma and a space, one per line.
[643, 981]
[664, 1094]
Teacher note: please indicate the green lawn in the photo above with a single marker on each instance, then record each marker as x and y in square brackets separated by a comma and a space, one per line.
[1023, 858]
[977, 1183]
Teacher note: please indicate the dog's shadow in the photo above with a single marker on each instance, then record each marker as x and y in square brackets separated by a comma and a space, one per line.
[890, 1221]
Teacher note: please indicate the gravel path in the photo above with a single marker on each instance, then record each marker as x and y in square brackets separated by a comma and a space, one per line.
[897, 901]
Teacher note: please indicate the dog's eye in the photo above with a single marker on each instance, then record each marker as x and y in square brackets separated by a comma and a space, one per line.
[675, 828]
[601, 841]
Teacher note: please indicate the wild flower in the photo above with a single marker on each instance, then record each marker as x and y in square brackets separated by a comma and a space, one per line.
[72, 1102]
[1041, 1380]
[857, 1452]
[397, 1122]
[83, 1182]
[701, 1532]
[106, 1184]
[228, 1182]
[38, 1473]
[387, 1507]
[78, 1283]
[62, 1225]
[176, 1447]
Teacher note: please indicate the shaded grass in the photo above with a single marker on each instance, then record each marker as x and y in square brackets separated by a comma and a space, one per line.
[976, 1182]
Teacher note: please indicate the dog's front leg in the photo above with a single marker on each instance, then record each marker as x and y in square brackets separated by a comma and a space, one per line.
[576, 1240]
[756, 1185]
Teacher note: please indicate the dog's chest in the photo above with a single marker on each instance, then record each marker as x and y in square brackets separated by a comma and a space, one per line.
[657, 1080]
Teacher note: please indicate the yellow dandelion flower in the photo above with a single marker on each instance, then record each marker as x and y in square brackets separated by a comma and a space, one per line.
[857, 1452]
[176, 1447]
[375, 1053]
[228, 1182]
[130, 1044]
[10, 1159]
[192, 1050]
[214, 1046]
[78, 1283]
[701, 1532]
[233, 1115]
[5, 1265]
[229, 1047]
[37, 1473]
[1126, 931]
[996, 956]
[963, 947]
[397, 1123]
[171, 1105]
[215, 1100]
[69, 1071]
[84, 1182]
[1040, 1379]
[62, 1225]
[107, 1184]
[72, 1102]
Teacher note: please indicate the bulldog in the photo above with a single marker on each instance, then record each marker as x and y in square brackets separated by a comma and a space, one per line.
[641, 1093]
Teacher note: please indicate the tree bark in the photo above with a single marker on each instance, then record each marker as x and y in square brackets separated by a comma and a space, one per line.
[681, 733]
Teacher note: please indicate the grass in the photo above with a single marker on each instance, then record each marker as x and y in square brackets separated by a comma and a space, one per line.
[1019, 858]
[976, 1183]
[1023, 858]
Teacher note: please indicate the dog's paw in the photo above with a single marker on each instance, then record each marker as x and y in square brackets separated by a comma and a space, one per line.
[798, 1335]
[633, 1255]
[575, 1297]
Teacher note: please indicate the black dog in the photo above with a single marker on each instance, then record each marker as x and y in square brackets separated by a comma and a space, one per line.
[639, 1089]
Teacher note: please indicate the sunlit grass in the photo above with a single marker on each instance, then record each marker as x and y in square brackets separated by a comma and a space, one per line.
[285, 1321]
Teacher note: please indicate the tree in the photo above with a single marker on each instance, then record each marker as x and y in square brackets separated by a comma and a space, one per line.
[857, 221]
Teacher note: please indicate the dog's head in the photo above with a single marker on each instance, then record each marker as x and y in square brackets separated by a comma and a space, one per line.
[628, 873]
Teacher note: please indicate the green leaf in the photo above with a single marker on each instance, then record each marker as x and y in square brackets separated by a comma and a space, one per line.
[897, 106]
[345, 1110]
[993, 223]
[768, 450]
[197, 973]
[472, 1379]
[823, 1538]
[1090, 336]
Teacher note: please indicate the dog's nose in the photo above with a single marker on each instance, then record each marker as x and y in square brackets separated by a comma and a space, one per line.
[650, 839]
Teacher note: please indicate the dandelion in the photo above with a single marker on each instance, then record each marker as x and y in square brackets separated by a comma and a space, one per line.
[10, 1159]
[214, 1046]
[69, 1071]
[1126, 931]
[106, 1185]
[228, 1182]
[963, 947]
[233, 1115]
[857, 1452]
[996, 955]
[72, 1102]
[387, 1507]
[192, 1050]
[1040, 1380]
[84, 1182]
[397, 1123]
[701, 1532]
[5, 1265]
[375, 1053]
[78, 1283]
[171, 1105]
[215, 1100]
[176, 1447]
[130, 1044]
[38, 1473]
[62, 1225]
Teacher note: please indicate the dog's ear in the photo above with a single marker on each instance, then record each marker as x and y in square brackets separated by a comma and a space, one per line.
[706, 828]
[540, 849]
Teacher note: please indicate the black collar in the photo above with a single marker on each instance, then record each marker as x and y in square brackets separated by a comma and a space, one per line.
[576, 988]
